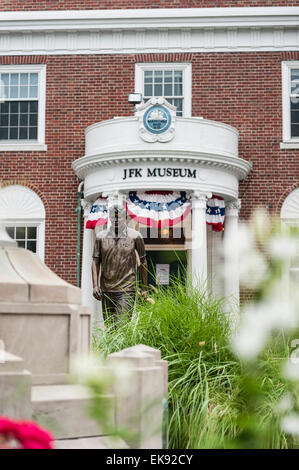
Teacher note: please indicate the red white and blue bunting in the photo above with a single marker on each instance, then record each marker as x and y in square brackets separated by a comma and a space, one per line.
[98, 214]
[215, 213]
[158, 209]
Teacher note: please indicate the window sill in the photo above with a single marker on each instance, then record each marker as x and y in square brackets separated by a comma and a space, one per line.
[290, 144]
[23, 147]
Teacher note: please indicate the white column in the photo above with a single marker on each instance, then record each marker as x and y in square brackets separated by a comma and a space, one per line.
[86, 279]
[199, 264]
[231, 261]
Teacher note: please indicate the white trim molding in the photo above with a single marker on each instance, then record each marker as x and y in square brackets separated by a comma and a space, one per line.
[290, 208]
[289, 215]
[288, 141]
[186, 68]
[149, 31]
[38, 144]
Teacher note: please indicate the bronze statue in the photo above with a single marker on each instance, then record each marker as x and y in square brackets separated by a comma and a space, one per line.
[115, 253]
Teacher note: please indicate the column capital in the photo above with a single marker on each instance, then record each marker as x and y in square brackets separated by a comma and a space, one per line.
[201, 198]
[86, 206]
[232, 208]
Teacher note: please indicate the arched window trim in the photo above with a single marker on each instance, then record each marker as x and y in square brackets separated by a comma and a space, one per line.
[289, 215]
[21, 206]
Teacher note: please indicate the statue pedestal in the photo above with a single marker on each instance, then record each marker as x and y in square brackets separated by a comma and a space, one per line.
[43, 321]
[41, 316]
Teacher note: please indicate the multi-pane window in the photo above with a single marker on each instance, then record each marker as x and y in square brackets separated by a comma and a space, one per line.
[290, 104]
[22, 107]
[166, 83]
[25, 236]
[19, 112]
[173, 81]
[294, 102]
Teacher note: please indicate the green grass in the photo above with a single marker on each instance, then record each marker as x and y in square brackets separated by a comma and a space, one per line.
[209, 389]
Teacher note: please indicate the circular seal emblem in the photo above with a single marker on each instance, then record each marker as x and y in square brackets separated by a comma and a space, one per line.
[157, 119]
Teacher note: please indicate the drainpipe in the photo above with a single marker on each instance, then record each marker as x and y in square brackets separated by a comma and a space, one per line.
[79, 210]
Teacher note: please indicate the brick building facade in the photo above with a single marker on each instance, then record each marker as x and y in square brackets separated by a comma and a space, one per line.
[242, 60]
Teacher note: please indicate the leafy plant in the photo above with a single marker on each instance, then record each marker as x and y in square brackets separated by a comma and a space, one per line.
[206, 379]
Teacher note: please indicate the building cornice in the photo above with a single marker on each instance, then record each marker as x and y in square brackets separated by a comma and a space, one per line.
[150, 18]
[89, 163]
[149, 30]
[192, 119]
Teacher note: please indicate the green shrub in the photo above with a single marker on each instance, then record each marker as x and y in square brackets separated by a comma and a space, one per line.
[207, 385]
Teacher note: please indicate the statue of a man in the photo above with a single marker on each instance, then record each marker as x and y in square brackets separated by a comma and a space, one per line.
[115, 253]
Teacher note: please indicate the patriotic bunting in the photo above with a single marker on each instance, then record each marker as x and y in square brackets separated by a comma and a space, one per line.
[215, 213]
[158, 209]
[98, 213]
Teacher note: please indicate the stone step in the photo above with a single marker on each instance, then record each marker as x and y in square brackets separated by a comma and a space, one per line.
[63, 410]
[15, 387]
[10, 363]
[102, 442]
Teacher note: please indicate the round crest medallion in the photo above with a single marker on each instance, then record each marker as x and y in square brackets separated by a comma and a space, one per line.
[157, 119]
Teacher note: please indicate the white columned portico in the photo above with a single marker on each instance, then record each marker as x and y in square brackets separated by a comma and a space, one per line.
[231, 262]
[199, 260]
[86, 279]
[192, 154]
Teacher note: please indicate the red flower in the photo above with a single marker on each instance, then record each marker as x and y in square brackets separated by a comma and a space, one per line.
[27, 434]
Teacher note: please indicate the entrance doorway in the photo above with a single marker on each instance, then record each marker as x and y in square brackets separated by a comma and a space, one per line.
[166, 254]
[166, 266]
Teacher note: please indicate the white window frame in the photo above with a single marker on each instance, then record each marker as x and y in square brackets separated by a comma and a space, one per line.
[288, 142]
[29, 145]
[186, 68]
[40, 232]
[31, 213]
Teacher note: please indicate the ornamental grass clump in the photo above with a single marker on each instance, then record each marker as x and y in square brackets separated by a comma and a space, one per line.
[191, 330]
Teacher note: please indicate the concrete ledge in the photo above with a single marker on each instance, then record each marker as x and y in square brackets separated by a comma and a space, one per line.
[63, 409]
[101, 442]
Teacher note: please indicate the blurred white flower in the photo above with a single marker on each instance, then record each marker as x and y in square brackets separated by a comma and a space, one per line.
[290, 424]
[279, 308]
[241, 240]
[291, 370]
[252, 268]
[275, 313]
[252, 333]
[260, 224]
[240, 246]
[123, 377]
[89, 368]
[283, 247]
[285, 404]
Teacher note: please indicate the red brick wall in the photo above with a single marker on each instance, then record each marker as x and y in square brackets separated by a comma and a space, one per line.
[241, 89]
[19, 5]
